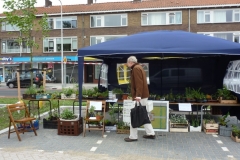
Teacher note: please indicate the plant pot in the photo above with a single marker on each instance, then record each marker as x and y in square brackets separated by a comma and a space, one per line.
[195, 129]
[50, 124]
[235, 138]
[225, 131]
[119, 96]
[124, 96]
[29, 96]
[99, 117]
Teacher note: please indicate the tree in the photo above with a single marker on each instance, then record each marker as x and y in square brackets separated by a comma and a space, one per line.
[22, 14]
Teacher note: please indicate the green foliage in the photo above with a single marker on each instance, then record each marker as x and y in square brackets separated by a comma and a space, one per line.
[117, 91]
[31, 90]
[123, 125]
[225, 94]
[177, 118]
[235, 131]
[92, 109]
[195, 123]
[208, 118]
[68, 91]
[67, 114]
[223, 121]
[22, 14]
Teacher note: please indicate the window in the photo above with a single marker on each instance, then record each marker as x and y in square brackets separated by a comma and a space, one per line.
[218, 16]
[54, 44]
[110, 20]
[100, 39]
[9, 27]
[67, 22]
[12, 46]
[104, 76]
[230, 36]
[161, 18]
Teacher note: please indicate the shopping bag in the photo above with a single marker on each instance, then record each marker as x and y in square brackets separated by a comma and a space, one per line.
[139, 116]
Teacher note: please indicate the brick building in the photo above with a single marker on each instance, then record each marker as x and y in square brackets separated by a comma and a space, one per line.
[92, 23]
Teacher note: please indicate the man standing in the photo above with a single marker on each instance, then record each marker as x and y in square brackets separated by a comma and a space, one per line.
[140, 93]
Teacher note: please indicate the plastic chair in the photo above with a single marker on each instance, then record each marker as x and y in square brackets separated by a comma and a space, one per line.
[24, 121]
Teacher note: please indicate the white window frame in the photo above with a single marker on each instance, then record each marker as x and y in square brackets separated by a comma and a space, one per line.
[4, 27]
[54, 40]
[168, 14]
[54, 19]
[102, 17]
[235, 33]
[103, 38]
[20, 47]
[234, 11]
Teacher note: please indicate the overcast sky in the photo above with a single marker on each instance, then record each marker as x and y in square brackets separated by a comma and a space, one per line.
[40, 3]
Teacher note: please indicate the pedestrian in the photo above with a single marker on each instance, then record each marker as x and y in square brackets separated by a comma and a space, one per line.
[140, 93]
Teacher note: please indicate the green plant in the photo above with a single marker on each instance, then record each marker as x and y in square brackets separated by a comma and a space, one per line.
[40, 90]
[91, 111]
[170, 96]
[225, 94]
[208, 118]
[31, 90]
[123, 125]
[223, 121]
[189, 93]
[195, 123]
[117, 91]
[235, 131]
[111, 113]
[68, 91]
[67, 114]
[177, 118]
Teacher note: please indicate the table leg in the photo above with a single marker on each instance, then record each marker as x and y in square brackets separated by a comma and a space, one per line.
[38, 111]
[118, 112]
[58, 108]
[202, 116]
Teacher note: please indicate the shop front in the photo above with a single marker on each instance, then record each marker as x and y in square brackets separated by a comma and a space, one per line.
[53, 66]
[7, 68]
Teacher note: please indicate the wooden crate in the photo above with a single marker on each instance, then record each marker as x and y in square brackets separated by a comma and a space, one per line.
[211, 131]
[70, 128]
[236, 139]
[123, 131]
[176, 127]
[210, 125]
[228, 101]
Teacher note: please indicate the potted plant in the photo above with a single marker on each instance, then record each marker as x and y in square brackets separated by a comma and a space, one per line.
[30, 93]
[123, 128]
[110, 124]
[51, 122]
[189, 93]
[209, 125]
[91, 111]
[68, 93]
[179, 98]
[42, 94]
[225, 96]
[170, 97]
[199, 96]
[69, 123]
[224, 128]
[235, 133]
[118, 92]
[178, 123]
[195, 125]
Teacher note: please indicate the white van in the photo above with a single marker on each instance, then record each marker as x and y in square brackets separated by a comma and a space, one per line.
[177, 77]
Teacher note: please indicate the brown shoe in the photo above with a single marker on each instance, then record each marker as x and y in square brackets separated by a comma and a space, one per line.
[129, 140]
[149, 136]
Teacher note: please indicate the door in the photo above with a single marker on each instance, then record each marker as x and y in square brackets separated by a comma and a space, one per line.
[89, 73]
[1, 75]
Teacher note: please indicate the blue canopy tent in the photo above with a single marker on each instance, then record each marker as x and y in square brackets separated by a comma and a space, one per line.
[157, 43]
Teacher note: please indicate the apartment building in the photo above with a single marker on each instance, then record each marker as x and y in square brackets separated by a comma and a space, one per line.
[93, 23]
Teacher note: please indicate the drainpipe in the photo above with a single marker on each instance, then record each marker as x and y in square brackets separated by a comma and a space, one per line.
[189, 21]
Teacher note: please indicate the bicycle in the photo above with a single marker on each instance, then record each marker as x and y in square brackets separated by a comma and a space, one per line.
[72, 80]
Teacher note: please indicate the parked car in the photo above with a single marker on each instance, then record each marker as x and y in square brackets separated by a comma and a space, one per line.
[25, 81]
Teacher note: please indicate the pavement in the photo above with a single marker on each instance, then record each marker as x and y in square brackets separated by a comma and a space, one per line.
[167, 145]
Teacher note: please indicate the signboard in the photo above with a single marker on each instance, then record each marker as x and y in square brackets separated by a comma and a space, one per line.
[159, 116]
[5, 59]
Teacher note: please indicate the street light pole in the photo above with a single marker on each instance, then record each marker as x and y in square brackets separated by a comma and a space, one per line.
[62, 73]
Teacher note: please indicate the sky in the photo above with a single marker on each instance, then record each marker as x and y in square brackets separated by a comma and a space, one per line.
[40, 3]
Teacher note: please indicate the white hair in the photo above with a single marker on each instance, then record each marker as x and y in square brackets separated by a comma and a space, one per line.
[132, 59]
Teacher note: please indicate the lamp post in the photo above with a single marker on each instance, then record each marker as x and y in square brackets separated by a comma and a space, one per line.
[62, 73]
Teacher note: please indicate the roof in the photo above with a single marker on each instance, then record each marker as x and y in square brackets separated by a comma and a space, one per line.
[127, 6]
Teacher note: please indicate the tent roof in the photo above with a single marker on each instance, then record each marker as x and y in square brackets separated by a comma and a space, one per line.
[162, 41]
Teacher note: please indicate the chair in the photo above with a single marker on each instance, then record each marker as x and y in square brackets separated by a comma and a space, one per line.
[25, 119]
[99, 121]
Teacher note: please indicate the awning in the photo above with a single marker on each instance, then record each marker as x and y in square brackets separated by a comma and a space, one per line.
[48, 62]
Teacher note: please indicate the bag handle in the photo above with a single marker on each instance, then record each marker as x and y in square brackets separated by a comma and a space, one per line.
[139, 104]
